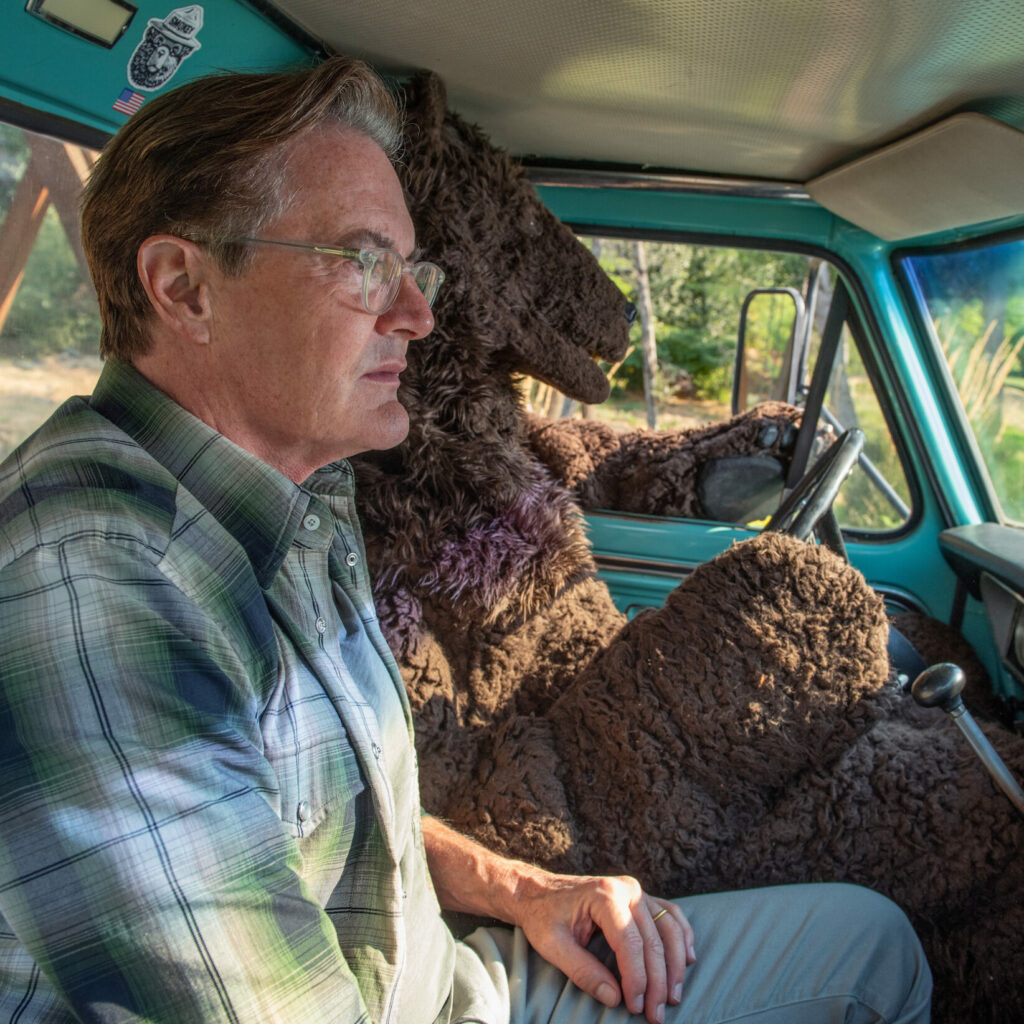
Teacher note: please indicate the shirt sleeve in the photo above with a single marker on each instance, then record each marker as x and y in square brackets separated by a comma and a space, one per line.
[142, 865]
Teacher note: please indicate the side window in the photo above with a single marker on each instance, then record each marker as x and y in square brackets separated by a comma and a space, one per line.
[49, 322]
[680, 368]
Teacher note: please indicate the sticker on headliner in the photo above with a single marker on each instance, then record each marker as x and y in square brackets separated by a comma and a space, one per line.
[164, 46]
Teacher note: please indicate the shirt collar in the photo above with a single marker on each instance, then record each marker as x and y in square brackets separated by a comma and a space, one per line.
[258, 505]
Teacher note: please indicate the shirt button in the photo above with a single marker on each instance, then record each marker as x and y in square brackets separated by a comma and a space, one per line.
[321, 625]
[376, 751]
[303, 810]
[351, 558]
[311, 522]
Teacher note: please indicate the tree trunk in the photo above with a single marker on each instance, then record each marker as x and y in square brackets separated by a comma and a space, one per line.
[648, 347]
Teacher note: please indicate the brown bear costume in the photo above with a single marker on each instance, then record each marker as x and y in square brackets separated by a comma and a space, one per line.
[744, 733]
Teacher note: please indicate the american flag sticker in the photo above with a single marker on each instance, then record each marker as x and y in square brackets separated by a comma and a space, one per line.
[128, 102]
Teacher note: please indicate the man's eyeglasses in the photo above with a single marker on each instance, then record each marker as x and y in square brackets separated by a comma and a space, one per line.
[383, 270]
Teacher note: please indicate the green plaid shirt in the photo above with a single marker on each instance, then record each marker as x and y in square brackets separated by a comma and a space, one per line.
[208, 798]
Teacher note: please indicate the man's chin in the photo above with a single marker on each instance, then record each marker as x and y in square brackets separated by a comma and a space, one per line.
[391, 427]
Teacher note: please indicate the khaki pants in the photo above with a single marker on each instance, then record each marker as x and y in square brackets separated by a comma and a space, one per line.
[797, 954]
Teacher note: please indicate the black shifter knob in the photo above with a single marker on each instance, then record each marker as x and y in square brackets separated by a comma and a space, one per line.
[940, 687]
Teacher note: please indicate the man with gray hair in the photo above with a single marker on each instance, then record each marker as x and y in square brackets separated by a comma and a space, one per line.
[209, 807]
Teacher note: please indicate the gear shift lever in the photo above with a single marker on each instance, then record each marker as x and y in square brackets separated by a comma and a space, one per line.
[941, 686]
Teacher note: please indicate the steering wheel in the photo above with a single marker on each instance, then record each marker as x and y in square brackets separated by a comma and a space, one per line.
[807, 508]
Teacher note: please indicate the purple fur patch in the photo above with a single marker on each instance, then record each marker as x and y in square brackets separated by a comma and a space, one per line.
[512, 556]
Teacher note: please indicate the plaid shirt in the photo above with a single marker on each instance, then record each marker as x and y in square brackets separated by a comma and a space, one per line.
[208, 798]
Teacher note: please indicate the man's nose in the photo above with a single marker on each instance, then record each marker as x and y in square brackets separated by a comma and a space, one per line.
[410, 312]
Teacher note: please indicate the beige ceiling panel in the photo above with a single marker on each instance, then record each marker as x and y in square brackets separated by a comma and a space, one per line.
[783, 89]
[964, 170]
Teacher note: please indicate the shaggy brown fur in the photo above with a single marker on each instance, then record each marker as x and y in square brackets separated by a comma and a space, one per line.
[741, 734]
[654, 472]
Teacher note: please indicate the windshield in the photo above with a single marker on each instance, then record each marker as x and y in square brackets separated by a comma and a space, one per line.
[974, 301]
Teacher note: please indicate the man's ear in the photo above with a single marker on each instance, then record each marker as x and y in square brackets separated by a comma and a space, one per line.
[174, 273]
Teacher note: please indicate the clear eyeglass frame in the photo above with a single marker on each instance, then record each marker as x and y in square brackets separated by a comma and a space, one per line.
[383, 270]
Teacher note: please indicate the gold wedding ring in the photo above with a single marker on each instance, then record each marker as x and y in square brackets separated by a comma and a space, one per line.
[664, 910]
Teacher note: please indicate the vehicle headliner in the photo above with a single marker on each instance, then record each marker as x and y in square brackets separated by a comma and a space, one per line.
[743, 88]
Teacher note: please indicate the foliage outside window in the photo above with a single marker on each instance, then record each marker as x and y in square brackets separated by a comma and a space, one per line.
[696, 293]
[974, 303]
[49, 321]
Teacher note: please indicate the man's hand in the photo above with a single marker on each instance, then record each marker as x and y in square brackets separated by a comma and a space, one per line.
[559, 914]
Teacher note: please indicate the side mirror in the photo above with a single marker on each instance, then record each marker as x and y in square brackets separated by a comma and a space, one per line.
[769, 350]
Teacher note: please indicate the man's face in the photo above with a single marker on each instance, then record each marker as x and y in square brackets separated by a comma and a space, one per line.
[308, 376]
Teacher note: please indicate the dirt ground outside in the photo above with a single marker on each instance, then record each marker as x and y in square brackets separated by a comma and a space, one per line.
[672, 413]
[30, 389]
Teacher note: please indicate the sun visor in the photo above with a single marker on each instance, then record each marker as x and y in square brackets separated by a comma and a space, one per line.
[964, 170]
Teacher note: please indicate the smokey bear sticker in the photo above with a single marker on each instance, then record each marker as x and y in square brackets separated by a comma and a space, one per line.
[164, 46]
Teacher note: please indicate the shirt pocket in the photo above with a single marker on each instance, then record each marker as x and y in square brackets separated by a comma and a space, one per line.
[308, 748]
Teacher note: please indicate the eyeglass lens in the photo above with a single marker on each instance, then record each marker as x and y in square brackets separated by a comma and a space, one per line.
[382, 279]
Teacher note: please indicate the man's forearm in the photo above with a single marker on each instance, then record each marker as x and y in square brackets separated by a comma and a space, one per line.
[470, 878]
